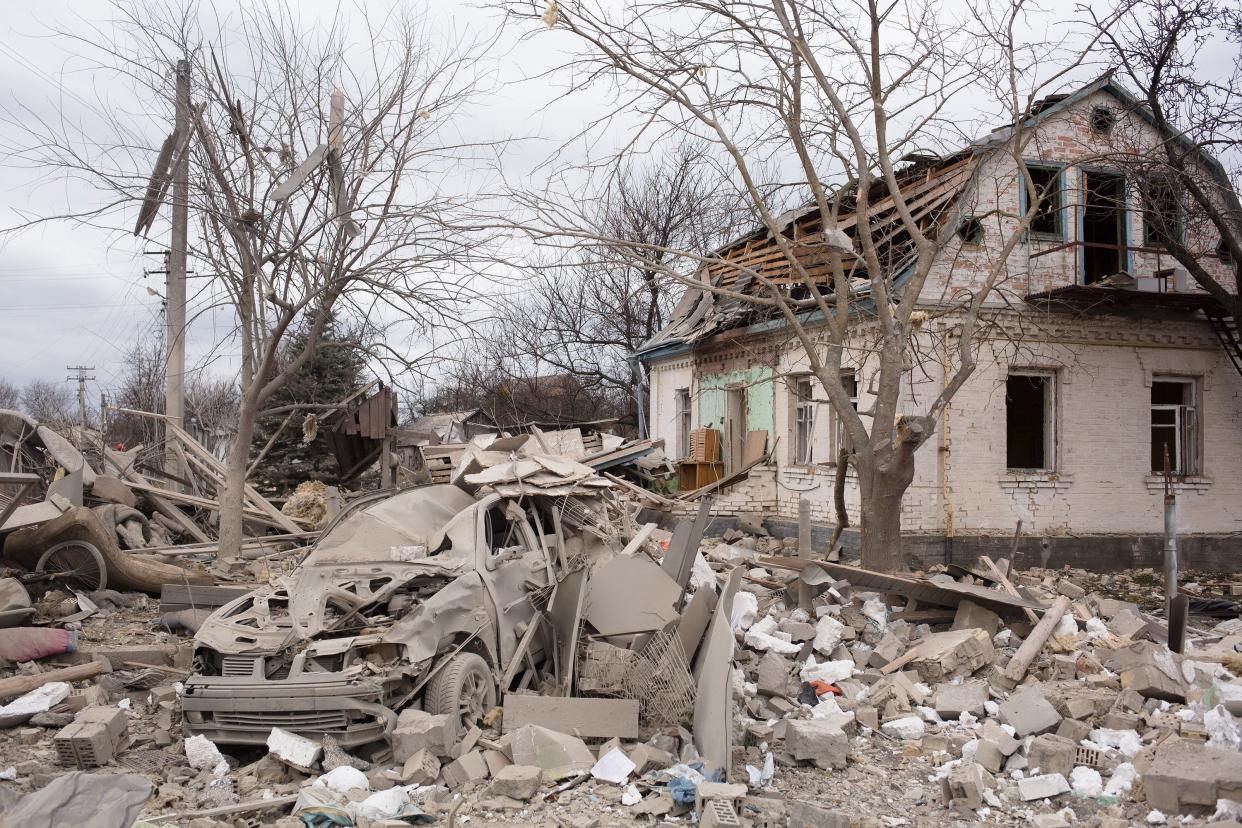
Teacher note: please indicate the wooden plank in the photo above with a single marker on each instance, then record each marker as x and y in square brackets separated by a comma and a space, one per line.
[202, 597]
[162, 505]
[939, 594]
[251, 513]
[581, 717]
[20, 685]
[1006, 585]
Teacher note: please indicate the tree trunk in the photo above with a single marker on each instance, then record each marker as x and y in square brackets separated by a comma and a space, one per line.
[233, 496]
[882, 488]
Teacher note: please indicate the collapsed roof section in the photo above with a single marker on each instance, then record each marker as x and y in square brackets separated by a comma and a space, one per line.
[930, 187]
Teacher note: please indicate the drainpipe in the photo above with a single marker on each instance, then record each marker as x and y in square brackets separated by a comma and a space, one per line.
[942, 455]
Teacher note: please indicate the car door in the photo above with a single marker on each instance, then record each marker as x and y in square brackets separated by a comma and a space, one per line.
[513, 564]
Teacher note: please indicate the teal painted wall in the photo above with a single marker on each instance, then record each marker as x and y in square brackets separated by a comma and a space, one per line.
[758, 382]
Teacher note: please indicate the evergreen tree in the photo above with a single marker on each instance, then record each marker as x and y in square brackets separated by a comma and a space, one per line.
[332, 374]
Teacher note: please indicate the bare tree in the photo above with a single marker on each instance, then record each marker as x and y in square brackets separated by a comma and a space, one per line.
[1190, 203]
[50, 403]
[321, 181]
[849, 93]
[10, 396]
[586, 312]
[141, 388]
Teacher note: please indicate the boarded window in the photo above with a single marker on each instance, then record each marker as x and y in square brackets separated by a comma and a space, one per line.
[1047, 196]
[1174, 426]
[1028, 421]
[683, 421]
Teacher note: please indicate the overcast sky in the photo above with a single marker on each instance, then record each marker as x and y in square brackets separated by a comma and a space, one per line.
[78, 296]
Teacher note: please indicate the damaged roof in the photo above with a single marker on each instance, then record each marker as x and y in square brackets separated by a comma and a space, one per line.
[931, 186]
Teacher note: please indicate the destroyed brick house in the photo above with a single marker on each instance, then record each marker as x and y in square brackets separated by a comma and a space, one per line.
[1119, 355]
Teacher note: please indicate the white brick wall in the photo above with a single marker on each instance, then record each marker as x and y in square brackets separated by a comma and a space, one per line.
[1104, 367]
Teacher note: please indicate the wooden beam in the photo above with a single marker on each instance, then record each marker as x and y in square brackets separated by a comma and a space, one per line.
[21, 685]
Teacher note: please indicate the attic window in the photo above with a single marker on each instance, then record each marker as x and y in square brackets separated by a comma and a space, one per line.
[970, 231]
[1103, 120]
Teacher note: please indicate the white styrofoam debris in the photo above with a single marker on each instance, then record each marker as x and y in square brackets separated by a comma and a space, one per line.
[39, 700]
[908, 728]
[701, 574]
[1122, 780]
[877, 611]
[829, 671]
[1096, 628]
[827, 634]
[762, 641]
[929, 715]
[293, 749]
[745, 611]
[1066, 626]
[1227, 809]
[383, 805]
[344, 778]
[614, 766]
[1156, 818]
[631, 796]
[1086, 782]
[1222, 731]
[1126, 741]
[203, 754]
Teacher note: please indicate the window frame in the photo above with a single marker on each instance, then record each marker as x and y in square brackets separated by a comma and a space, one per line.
[803, 421]
[683, 417]
[1187, 437]
[1146, 197]
[1051, 431]
[838, 437]
[1059, 210]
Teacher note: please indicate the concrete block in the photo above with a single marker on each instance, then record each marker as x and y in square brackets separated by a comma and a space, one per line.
[517, 782]
[820, 741]
[419, 730]
[1073, 730]
[988, 754]
[773, 675]
[1185, 774]
[423, 768]
[1050, 753]
[647, 758]
[947, 655]
[965, 785]
[1029, 713]
[889, 648]
[952, 699]
[1128, 624]
[1042, 787]
[970, 616]
[802, 814]
[559, 755]
[993, 732]
[1153, 682]
[470, 767]
[584, 717]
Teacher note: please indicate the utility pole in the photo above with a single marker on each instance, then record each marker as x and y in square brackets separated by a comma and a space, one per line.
[174, 288]
[81, 378]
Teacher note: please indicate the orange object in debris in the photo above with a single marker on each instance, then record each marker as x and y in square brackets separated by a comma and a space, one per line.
[823, 688]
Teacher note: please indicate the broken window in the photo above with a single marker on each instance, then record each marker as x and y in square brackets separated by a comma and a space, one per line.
[683, 421]
[1103, 120]
[1046, 194]
[735, 427]
[1029, 421]
[840, 438]
[804, 421]
[1174, 426]
[1162, 221]
[1103, 225]
[970, 231]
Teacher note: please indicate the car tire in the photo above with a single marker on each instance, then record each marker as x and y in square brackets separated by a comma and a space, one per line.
[463, 689]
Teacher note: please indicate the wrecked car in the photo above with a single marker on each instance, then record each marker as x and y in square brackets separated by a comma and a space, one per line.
[418, 598]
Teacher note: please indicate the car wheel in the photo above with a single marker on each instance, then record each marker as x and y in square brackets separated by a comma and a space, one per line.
[463, 689]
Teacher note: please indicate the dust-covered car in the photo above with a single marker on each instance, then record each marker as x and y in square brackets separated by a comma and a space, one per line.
[420, 597]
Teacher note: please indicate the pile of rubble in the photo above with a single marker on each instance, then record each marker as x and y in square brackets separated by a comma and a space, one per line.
[523, 644]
